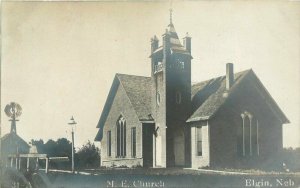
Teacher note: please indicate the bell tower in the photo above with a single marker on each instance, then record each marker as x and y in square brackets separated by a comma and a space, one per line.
[171, 95]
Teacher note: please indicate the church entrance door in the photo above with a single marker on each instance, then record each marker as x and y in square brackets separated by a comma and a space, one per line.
[179, 148]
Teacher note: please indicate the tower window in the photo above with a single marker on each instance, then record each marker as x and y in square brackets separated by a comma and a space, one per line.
[178, 97]
[157, 98]
[181, 64]
[158, 67]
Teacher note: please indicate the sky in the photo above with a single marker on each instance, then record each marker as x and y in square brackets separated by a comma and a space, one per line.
[59, 59]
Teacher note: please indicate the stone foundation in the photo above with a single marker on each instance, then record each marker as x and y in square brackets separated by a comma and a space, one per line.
[123, 162]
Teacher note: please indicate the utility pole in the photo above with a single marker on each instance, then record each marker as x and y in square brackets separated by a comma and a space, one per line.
[1, 165]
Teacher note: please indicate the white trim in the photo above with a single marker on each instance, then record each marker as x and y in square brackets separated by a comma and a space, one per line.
[147, 121]
[257, 143]
[154, 150]
[243, 117]
[250, 132]
[121, 159]
[208, 141]
[197, 142]
[198, 119]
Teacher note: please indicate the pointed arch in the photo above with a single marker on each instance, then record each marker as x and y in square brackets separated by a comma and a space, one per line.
[248, 135]
[121, 136]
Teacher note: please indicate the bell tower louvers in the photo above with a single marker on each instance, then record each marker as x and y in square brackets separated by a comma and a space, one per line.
[171, 96]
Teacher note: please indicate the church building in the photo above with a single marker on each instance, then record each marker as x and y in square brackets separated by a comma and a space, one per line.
[165, 121]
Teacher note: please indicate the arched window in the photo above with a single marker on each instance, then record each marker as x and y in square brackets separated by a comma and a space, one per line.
[121, 137]
[247, 135]
[157, 98]
[240, 137]
[254, 137]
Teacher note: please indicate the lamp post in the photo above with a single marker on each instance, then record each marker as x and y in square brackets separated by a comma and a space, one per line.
[72, 123]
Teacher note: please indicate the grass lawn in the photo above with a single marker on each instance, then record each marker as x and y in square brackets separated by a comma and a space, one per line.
[172, 177]
[185, 171]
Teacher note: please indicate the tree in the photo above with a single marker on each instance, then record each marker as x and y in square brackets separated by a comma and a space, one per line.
[59, 148]
[88, 156]
[39, 145]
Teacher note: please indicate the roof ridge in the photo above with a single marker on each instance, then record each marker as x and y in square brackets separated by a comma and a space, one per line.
[214, 78]
[121, 74]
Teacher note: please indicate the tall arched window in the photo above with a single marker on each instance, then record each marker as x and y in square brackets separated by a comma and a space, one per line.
[240, 137]
[121, 137]
[254, 137]
[248, 135]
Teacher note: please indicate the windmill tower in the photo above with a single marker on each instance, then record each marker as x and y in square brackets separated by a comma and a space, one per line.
[13, 110]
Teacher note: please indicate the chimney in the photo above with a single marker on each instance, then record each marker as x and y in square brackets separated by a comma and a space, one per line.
[187, 42]
[229, 75]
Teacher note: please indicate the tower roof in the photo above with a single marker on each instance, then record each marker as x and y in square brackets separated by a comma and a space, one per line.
[174, 40]
[175, 44]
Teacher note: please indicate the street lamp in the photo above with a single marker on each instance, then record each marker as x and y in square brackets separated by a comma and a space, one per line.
[72, 123]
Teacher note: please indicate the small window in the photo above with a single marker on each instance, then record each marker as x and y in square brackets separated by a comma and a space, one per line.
[181, 64]
[157, 98]
[133, 142]
[178, 97]
[199, 141]
[158, 67]
[108, 143]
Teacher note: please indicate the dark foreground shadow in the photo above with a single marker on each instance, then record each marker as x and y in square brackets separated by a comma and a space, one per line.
[176, 181]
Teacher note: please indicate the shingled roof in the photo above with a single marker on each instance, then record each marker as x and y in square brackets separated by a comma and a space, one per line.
[138, 95]
[11, 140]
[138, 90]
[208, 96]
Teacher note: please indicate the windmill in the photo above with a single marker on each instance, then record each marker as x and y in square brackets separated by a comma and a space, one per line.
[13, 110]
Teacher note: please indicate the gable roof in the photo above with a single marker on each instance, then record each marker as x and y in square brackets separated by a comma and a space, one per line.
[14, 138]
[207, 97]
[210, 95]
[138, 95]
